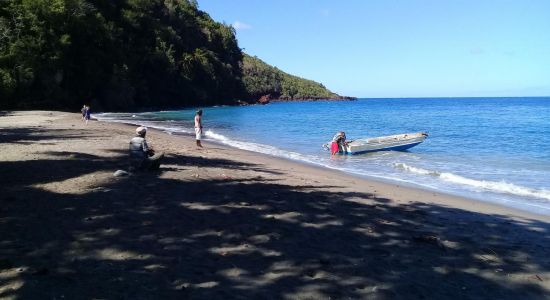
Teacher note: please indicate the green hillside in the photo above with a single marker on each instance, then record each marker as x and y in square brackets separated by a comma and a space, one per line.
[128, 55]
[262, 79]
[119, 55]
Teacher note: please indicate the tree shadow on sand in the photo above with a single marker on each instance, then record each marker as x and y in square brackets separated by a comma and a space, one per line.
[145, 236]
[31, 135]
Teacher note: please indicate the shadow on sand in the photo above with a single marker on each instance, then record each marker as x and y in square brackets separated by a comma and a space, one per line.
[145, 236]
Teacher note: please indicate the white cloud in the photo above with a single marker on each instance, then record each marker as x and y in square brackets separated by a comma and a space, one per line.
[238, 25]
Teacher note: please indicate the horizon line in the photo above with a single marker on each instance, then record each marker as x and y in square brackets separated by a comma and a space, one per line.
[435, 97]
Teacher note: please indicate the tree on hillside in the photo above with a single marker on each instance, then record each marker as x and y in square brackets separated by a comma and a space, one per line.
[262, 79]
[129, 55]
[125, 54]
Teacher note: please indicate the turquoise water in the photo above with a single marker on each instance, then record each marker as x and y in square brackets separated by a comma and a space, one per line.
[490, 149]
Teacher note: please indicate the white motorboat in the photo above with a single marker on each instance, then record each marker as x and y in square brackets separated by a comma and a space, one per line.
[398, 142]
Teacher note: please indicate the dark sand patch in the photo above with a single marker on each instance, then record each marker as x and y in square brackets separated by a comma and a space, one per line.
[227, 224]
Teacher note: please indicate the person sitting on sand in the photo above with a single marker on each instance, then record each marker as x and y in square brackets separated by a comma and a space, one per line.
[142, 155]
[198, 127]
[339, 140]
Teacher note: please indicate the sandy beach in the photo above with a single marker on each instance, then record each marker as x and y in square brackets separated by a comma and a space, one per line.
[222, 223]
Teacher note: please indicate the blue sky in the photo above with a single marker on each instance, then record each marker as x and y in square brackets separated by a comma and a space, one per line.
[400, 48]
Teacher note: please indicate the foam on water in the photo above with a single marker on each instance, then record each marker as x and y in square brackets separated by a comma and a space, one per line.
[495, 150]
[260, 148]
[168, 126]
[339, 163]
[330, 162]
[492, 186]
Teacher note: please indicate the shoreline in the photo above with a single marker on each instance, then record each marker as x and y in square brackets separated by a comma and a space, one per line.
[383, 184]
[398, 192]
[225, 223]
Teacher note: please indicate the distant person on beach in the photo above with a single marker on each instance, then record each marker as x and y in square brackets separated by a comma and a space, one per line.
[198, 127]
[87, 115]
[339, 140]
[142, 156]
[83, 111]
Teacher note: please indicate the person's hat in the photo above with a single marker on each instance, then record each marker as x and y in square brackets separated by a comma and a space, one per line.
[141, 130]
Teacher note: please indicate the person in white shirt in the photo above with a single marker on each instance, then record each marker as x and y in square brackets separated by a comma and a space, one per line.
[198, 127]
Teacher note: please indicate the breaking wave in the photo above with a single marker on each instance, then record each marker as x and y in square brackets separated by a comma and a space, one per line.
[491, 186]
[260, 148]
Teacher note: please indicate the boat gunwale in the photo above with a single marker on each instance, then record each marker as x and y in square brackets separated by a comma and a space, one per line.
[386, 143]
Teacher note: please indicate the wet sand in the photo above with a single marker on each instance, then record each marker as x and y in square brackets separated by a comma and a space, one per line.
[222, 223]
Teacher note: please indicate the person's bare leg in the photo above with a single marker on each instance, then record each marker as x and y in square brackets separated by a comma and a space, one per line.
[199, 143]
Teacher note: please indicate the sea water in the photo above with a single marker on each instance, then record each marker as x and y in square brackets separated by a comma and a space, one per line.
[489, 149]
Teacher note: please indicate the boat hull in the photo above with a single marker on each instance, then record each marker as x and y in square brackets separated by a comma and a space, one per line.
[399, 142]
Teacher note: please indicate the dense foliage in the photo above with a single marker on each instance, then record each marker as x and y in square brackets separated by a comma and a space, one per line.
[126, 55]
[120, 54]
[261, 79]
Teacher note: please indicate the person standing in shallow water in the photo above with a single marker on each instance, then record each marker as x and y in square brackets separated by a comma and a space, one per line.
[338, 142]
[198, 127]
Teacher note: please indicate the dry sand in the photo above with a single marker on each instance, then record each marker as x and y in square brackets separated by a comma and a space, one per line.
[221, 223]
